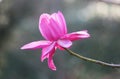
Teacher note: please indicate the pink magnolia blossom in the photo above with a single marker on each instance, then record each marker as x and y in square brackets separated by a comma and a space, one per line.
[53, 29]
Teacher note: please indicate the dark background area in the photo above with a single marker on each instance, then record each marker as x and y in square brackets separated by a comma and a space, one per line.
[19, 26]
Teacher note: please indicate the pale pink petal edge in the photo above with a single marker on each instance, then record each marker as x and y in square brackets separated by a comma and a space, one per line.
[64, 43]
[36, 45]
[46, 50]
[77, 35]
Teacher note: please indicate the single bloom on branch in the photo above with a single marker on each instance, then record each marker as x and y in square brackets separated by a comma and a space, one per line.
[53, 29]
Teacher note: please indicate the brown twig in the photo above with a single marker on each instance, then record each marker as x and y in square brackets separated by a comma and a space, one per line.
[92, 60]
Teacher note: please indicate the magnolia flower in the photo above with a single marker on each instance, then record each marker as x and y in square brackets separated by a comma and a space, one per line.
[53, 29]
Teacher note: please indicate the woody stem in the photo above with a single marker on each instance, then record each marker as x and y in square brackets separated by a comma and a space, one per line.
[92, 60]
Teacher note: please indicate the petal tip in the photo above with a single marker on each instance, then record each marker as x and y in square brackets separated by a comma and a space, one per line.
[59, 11]
[53, 68]
[25, 47]
[22, 48]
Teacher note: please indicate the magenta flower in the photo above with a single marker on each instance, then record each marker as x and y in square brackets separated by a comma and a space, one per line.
[53, 29]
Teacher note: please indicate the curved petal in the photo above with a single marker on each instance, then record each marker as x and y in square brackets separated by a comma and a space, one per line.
[36, 44]
[56, 33]
[64, 43]
[63, 22]
[49, 28]
[60, 20]
[44, 26]
[50, 60]
[46, 51]
[52, 27]
[77, 35]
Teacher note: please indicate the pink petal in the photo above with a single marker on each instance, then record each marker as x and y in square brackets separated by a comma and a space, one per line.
[51, 64]
[36, 44]
[63, 22]
[50, 60]
[44, 26]
[60, 20]
[49, 28]
[52, 27]
[46, 51]
[77, 35]
[56, 33]
[64, 43]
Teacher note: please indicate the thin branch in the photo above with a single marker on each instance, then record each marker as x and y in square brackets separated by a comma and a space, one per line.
[92, 60]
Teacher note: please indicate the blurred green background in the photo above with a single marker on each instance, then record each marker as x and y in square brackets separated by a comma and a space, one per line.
[19, 26]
